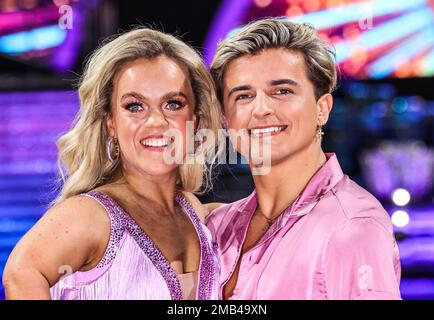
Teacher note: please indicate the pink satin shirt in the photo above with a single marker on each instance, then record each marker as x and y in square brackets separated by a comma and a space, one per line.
[334, 242]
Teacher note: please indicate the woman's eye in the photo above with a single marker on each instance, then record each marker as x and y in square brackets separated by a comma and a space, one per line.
[173, 105]
[134, 107]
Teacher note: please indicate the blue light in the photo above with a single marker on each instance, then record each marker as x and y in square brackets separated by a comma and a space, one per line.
[405, 52]
[386, 91]
[400, 104]
[338, 16]
[37, 39]
[386, 32]
[358, 90]
[379, 109]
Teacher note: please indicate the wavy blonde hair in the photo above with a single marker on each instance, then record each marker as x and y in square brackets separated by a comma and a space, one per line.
[82, 159]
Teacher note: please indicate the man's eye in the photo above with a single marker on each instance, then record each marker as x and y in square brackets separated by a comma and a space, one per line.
[284, 91]
[134, 107]
[242, 97]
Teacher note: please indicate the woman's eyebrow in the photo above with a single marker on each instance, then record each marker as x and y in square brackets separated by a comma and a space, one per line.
[141, 97]
[174, 94]
[133, 94]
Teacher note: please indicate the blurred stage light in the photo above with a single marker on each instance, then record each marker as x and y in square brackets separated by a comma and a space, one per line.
[400, 218]
[371, 38]
[36, 39]
[263, 3]
[401, 197]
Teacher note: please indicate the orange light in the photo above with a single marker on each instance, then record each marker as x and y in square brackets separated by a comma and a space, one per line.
[263, 3]
[294, 11]
[311, 5]
[403, 71]
[351, 32]
[334, 3]
[294, 2]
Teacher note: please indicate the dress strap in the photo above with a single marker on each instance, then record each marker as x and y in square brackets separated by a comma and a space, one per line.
[208, 269]
[117, 226]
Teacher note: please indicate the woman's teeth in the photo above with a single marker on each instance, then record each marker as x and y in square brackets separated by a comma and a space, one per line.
[156, 142]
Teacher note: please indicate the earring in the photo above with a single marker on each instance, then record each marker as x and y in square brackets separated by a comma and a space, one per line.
[112, 149]
[319, 132]
[224, 123]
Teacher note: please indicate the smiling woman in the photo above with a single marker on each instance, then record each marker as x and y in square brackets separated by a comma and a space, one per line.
[145, 109]
[126, 224]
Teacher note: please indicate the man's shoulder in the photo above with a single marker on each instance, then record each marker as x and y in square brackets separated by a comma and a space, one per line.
[226, 211]
[357, 202]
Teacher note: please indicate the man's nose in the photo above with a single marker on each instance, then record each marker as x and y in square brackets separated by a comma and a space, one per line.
[262, 106]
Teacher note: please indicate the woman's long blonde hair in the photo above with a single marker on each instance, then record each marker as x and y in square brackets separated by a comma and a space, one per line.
[82, 160]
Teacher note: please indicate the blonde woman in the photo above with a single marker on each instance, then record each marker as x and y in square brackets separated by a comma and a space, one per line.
[126, 225]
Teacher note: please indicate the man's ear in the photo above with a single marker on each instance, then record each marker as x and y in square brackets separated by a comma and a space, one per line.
[111, 129]
[224, 122]
[324, 106]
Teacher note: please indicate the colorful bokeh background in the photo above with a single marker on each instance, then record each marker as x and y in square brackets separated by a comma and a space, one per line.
[382, 125]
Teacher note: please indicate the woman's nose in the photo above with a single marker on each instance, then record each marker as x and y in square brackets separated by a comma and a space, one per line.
[156, 118]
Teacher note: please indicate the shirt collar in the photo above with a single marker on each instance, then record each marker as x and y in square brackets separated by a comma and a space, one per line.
[322, 182]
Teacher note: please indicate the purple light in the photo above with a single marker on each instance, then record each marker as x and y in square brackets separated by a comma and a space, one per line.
[65, 55]
[28, 140]
[417, 288]
[399, 164]
[11, 21]
[229, 16]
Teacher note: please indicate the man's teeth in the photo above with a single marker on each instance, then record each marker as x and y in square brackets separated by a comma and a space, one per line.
[156, 142]
[266, 130]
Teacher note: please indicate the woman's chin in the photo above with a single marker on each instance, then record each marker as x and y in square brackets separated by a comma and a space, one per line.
[155, 168]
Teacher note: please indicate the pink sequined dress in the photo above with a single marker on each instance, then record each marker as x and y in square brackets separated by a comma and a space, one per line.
[134, 268]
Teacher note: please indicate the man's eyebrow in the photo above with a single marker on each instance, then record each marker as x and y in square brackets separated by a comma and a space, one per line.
[239, 88]
[133, 94]
[284, 81]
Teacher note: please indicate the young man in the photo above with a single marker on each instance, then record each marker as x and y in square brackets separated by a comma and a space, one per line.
[307, 231]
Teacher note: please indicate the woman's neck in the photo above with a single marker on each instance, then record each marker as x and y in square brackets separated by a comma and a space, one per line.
[143, 188]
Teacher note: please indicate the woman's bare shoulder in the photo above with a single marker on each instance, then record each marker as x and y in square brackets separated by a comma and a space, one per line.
[79, 205]
[82, 215]
[73, 232]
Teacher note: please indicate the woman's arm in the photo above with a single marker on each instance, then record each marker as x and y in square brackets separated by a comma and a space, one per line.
[69, 237]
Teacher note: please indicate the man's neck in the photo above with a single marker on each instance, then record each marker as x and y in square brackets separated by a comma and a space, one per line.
[286, 180]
